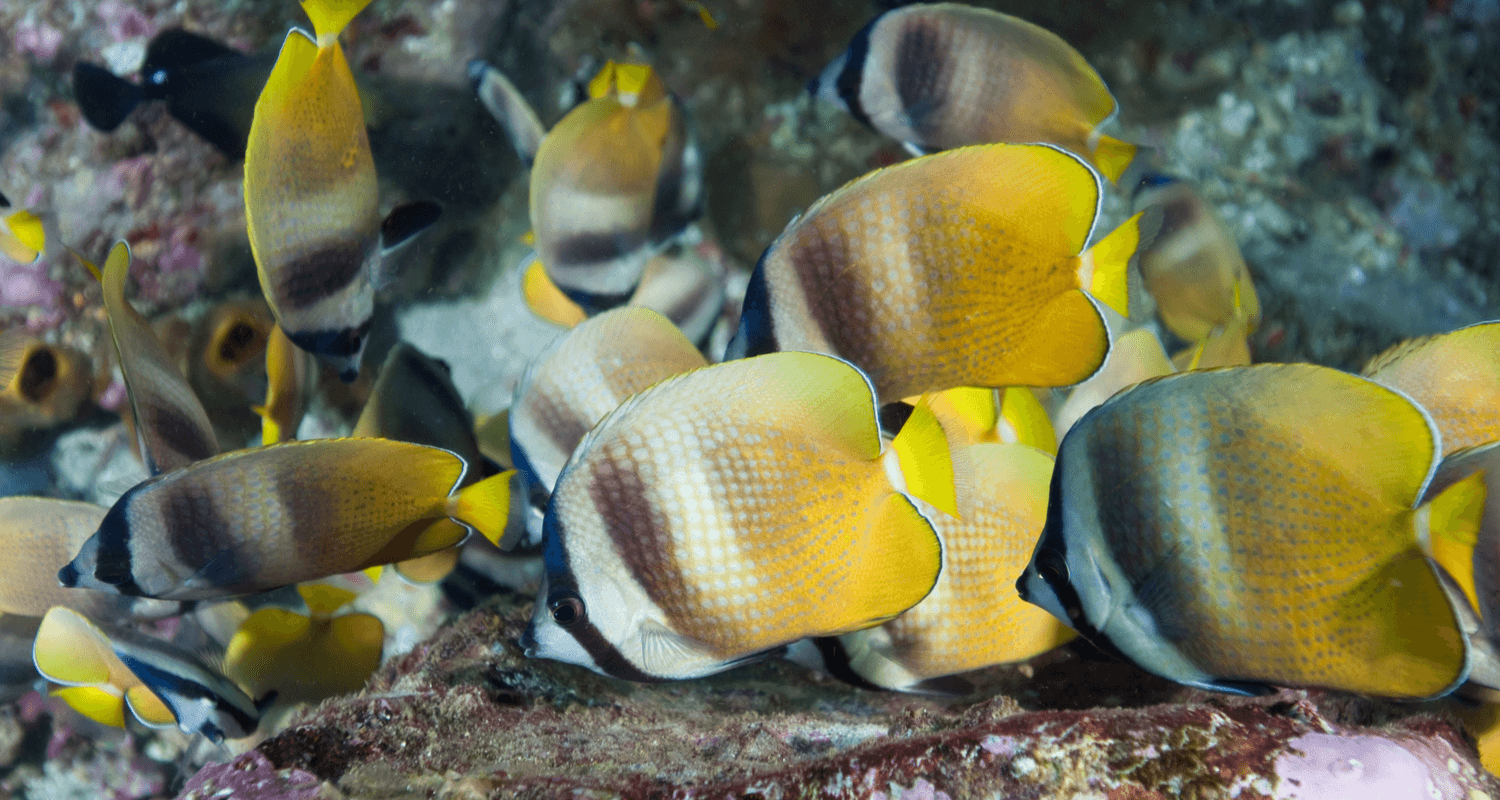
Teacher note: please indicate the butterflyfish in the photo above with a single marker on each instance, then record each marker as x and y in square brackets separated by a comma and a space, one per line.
[965, 268]
[41, 385]
[1455, 376]
[585, 374]
[171, 426]
[614, 179]
[723, 514]
[306, 658]
[973, 617]
[22, 237]
[678, 283]
[162, 684]
[290, 378]
[253, 520]
[71, 651]
[208, 86]
[414, 400]
[1248, 527]
[311, 202]
[41, 534]
[1196, 274]
[1135, 356]
[944, 75]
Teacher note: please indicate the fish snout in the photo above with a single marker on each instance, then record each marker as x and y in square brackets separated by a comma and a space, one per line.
[528, 640]
[68, 576]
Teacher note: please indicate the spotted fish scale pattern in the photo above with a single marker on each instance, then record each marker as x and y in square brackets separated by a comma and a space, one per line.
[1261, 557]
[938, 285]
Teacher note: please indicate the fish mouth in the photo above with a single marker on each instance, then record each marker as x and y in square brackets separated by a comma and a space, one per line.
[528, 641]
[68, 576]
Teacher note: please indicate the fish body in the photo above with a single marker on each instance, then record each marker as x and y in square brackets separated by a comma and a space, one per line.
[973, 617]
[258, 519]
[414, 400]
[965, 268]
[171, 424]
[1455, 376]
[725, 513]
[1194, 270]
[41, 535]
[208, 86]
[585, 374]
[22, 237]
[943, 75]
[612, 180]
[311, 201]
[1253, 526]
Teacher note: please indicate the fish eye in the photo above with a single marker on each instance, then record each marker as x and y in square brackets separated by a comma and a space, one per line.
[159, 77]
[1051, 566]
[566, 608]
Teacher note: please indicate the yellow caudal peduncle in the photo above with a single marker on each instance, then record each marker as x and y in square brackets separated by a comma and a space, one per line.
[330, 16]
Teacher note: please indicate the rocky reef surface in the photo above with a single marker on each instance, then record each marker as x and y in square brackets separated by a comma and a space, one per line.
[1351, 146]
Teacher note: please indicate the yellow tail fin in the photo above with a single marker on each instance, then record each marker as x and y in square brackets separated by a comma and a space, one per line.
[27, 231]
[330, 16]
[323, 599]
[1112, 156]
[103, 704]
[546, 300]
[486, 506]
[1024, 421]
[1452, 521]
[70, 650]
[430, 568]
[149, 709]
[1106, 264]
[933, 459]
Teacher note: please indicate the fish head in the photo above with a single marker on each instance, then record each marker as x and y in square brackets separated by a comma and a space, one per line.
[602, 618]
[825, 85]
[342, 348]
[104, 561]
[1069, 575]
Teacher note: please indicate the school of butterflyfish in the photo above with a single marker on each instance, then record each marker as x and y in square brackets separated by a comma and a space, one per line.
[881, 478]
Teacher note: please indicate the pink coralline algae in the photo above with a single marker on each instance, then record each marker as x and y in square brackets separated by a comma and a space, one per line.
[251, 777]
[28, 285]
[1321, 766]
[37, 39]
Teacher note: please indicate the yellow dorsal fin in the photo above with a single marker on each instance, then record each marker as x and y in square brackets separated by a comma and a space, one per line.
[149, 709]
[87, 264]
[330, 16]
[927, 459]
[103, 704]
[1024, 421]
[1105, 265]
[71, 651]
[27, 230]
[485, 506]
[270, 431]
[1452, 522]
[704, 14]
[546, 300]
[603, 81]
[1112, 156]
[323, 599]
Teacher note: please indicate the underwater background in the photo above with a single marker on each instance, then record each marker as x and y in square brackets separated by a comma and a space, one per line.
[1351, 148]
